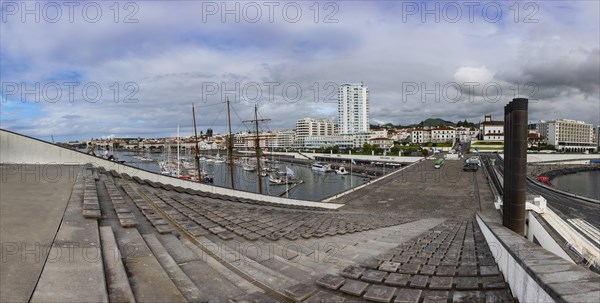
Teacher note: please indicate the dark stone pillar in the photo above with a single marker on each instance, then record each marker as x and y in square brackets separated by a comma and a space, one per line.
[515, 165]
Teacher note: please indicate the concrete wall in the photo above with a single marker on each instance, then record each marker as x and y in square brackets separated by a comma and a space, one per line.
[533, 273]
[19, 149]
[523, 286]
[535, 229]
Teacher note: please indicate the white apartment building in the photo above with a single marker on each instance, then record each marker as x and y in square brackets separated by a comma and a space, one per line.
[343, 141]
[568, 135]
[308, 127]
[420, 135]
[276, 139]
[353, 108]
[490, 130]
[466, 134]
[443, 134]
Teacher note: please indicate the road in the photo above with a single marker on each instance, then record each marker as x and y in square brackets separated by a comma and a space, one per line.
[565, 206]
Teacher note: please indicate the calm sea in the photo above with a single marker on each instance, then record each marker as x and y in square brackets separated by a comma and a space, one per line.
[585, 183]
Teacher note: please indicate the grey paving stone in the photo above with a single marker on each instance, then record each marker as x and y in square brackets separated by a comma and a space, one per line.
[466, 283]
[427, 270]
[445, 270]
[409, 268]
[493, 282]
[322, 297]
[380, 293]
[300, 292]
[353, 272]
[374, 276]
[389, 266]
[217, 229]
[434, 296]
[489, 270]
[197, 231]
[444, 283]
[251, 236]
[226, 235]
[331, 281]
[371, 263]
[467, 270]
[127, 222]
[497, 296]
[407, 295]
[419, 281]
[384, 257]
[396, 279]
[466, 297]
[92, 213]
[353, 287]
[163, 229]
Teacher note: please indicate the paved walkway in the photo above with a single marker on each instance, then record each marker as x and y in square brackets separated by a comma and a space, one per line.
[420, 191]
[28, 223]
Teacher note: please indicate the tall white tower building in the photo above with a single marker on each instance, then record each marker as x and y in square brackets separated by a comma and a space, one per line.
[353, 108]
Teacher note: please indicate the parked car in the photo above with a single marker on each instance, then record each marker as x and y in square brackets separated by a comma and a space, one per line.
[471, 167]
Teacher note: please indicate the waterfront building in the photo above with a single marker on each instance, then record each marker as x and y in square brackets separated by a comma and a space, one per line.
[490, 130]
[568, 135]
[384, 143]
[309, 127]
[314, 142]
[353, 108]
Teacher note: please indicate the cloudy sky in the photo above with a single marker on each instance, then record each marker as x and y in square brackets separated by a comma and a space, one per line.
[96, 69]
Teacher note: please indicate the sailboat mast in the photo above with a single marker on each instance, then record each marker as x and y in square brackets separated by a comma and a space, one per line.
[257, 150]
[178, 157]
[197, 156]
[230, 146]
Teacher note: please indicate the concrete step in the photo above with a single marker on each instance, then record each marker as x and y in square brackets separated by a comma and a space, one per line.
[212, 283]
[264, 253]
[73, 271]
[181, 280]
[149, 281]
[250, 267]
[118, 286]
[233, 277]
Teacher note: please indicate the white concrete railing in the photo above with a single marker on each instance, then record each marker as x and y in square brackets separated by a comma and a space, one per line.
[379, 158]
[19, 149]
[582, 245]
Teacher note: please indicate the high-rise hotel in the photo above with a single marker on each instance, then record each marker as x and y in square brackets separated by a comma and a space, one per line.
[353, 109]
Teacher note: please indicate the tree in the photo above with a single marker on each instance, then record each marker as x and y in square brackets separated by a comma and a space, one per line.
[425, 152]
[367, 148]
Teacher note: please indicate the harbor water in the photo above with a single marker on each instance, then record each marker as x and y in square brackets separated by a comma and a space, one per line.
[585, 183]
[315, 186]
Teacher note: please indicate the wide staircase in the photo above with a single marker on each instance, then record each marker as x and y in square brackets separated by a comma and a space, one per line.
[449, 263]
[135, 240]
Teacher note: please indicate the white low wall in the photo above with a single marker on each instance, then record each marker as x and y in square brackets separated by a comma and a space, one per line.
[19, 149]
[390, 158]
[522, 285]
[535, 229]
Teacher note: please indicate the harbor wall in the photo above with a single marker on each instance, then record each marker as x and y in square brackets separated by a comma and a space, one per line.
[20, 149]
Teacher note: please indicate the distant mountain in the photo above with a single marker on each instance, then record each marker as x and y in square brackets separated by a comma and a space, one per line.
[433, 122]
